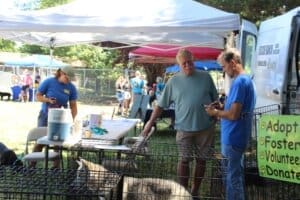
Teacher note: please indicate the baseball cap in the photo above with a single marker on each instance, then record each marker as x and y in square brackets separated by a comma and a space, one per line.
[69, 71]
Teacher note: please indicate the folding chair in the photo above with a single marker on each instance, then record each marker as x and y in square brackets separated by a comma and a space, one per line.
[132, 147]
[32, 137]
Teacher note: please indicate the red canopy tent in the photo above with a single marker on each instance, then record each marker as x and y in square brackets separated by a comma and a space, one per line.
[159, 53]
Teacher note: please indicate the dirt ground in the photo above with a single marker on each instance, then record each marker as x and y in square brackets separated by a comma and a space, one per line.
[17, 118]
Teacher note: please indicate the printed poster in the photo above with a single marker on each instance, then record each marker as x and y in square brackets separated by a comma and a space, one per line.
[278, 147]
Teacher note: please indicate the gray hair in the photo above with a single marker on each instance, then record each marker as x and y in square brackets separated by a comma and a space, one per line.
[230, 53]
[183, 53]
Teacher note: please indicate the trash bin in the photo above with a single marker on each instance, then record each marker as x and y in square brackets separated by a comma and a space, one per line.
[16, 92]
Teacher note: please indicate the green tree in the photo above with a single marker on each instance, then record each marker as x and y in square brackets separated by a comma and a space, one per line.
[33, 49]
[7, 45]
[92, 56]
[52, 3]
[253, 10]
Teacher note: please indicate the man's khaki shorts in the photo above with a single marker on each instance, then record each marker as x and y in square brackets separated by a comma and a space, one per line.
[195, 144]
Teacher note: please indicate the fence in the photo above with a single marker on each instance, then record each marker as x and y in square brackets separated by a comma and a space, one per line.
[152, 175]
[148, 175]
[39, 184]
[96, 86]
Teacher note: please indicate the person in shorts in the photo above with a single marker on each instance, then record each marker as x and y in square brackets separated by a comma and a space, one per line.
[127, 98]
[195, 128]
[120, 93]
[26, 85]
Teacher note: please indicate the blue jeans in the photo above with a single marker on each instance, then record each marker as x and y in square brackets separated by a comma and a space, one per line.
[42, 119]
[234, 172]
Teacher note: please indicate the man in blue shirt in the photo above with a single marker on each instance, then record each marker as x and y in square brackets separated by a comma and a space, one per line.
[195, 129]
[236, 122]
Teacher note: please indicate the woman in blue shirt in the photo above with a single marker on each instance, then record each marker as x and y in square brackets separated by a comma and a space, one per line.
[56, 92]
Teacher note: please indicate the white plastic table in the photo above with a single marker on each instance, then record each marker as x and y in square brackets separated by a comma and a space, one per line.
[117, 130]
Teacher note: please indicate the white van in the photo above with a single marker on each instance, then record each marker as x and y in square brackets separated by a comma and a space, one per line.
[272, 57]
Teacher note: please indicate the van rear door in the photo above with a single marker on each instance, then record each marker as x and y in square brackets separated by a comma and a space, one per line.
[292, 105]
[275, 69]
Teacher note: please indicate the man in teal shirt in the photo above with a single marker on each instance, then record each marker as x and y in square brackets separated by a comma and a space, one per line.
[189, 90]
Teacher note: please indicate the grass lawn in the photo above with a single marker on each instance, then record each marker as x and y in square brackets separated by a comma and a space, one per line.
[17, 118]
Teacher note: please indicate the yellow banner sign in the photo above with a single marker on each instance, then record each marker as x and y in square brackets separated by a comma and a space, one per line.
[278, 147]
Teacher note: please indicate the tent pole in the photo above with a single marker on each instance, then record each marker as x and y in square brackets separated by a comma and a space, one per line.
[34, 73]
[51, 60]
[51, 44]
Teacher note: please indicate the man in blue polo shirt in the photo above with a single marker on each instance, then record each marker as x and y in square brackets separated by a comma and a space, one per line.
[236, 122]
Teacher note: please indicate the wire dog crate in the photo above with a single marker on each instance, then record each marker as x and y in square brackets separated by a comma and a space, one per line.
[261, 188]
[40, 184]
[152, 174]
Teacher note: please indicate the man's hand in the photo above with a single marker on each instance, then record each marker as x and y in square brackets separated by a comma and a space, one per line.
[155, 113]
[211, 110]
[217, 104]
[52, 100]
[147, 129]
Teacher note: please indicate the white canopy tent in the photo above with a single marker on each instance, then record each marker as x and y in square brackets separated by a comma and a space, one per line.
[133, 22]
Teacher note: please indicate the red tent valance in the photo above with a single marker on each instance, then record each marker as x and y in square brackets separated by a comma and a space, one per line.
[170, 51]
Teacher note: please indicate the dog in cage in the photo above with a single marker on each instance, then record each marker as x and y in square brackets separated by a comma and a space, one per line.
[92, 179]
[8, 157]
[98, 179]
[153, 189]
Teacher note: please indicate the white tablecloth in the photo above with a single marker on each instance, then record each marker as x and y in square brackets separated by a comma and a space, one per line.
[117, 129]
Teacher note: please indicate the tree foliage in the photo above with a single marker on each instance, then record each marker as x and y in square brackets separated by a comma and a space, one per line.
[253, 10]
[92, 56]
[7, 45]
[33, 49]
[52, 3]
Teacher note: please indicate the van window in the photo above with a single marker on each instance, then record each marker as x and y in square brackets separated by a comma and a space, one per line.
[248, 52]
